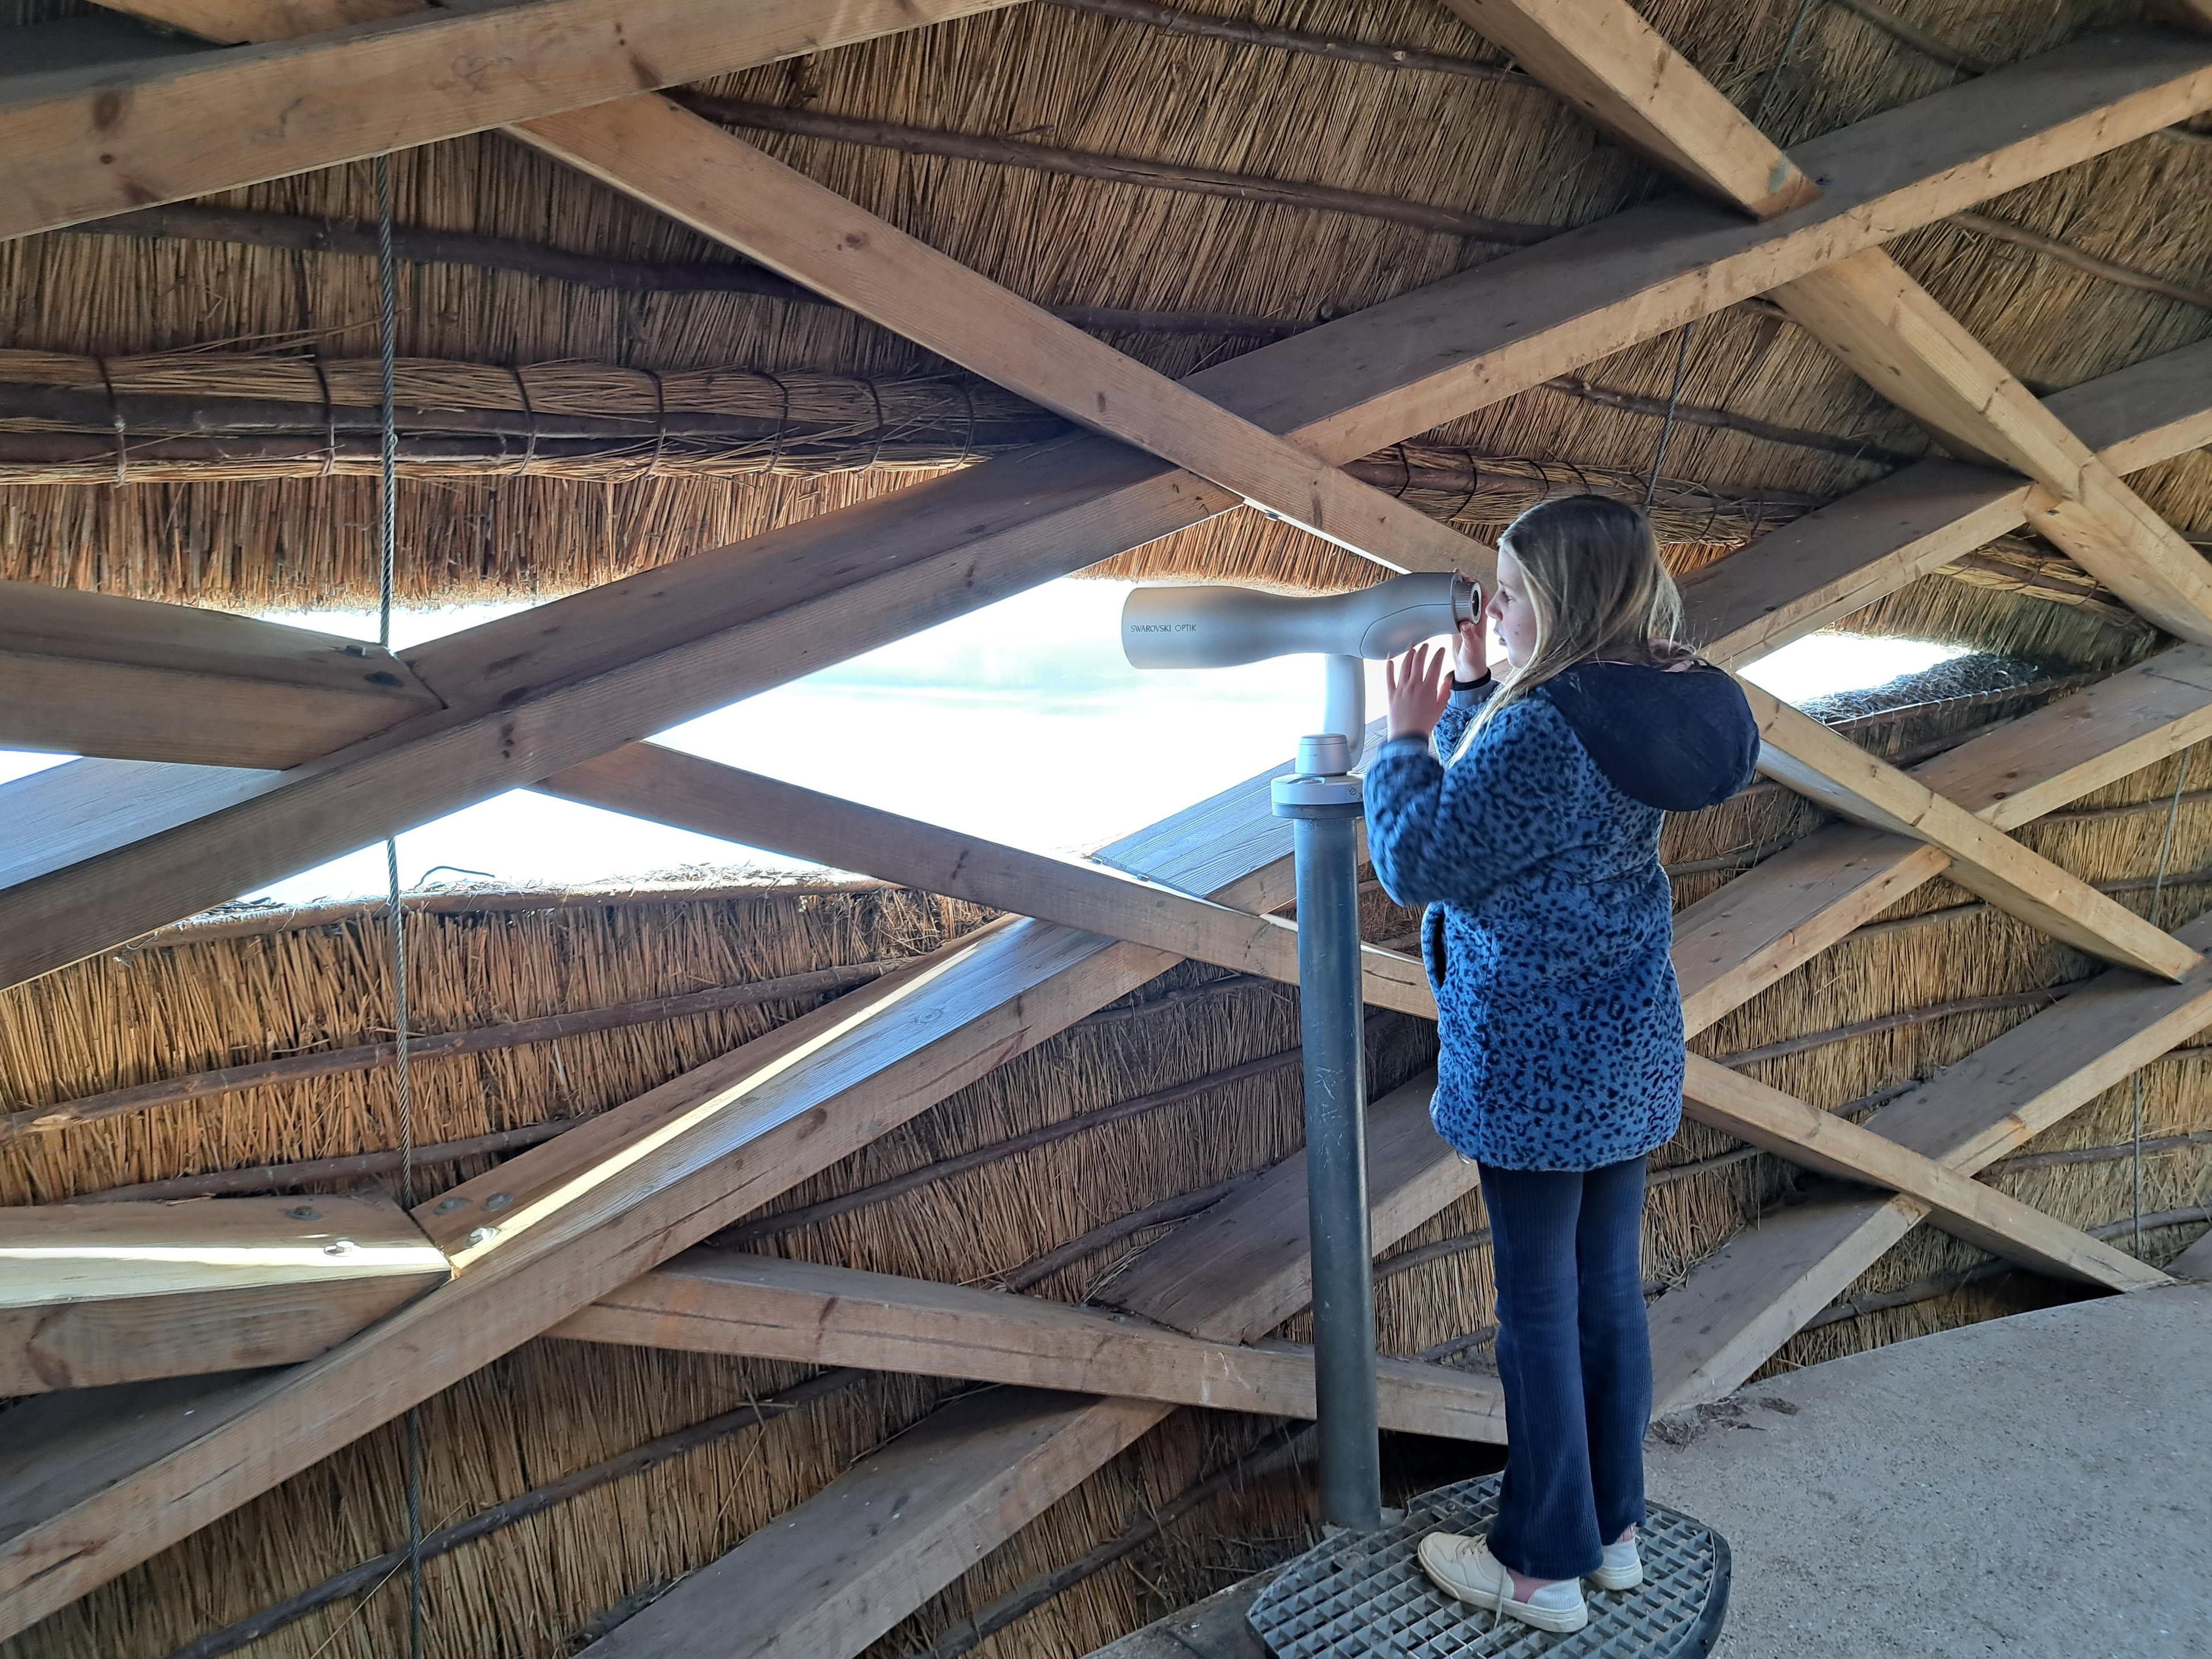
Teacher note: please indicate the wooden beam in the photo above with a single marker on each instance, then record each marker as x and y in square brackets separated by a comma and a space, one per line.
[668, 787]
[723, 187]
[1601, 57]
[94, 674]
[1869, 311]
[1822, 1142]
[1774, 918]
[721, 1301]
[543, 1236]
[533, 694]
[86, 144]
[740, 1607]
[1746, 1301]
[1828, 767]
[97, 1294]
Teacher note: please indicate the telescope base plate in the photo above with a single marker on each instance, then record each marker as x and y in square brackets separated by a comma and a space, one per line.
[1364, 1594]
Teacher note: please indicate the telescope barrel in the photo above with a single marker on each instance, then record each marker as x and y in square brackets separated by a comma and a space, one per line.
[1221, 627]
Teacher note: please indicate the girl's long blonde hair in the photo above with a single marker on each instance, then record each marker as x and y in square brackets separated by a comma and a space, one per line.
[1594, 580]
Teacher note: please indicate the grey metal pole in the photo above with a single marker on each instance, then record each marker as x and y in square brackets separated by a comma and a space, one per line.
[1323, 803]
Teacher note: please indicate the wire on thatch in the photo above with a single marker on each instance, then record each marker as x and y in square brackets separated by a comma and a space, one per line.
[1109, 169]
[1239, 32]
[551, 1027]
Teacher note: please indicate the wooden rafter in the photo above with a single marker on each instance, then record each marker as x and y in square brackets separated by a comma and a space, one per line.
[649, 781]
[1601, 57]
[1820, 1141]
[719, 1301]
[92, 674]
[1869, 311]
[88, 143]
[1828, 767]
[531, 695]
[725, 188]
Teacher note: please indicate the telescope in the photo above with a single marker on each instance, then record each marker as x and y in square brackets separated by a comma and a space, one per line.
[1226, 626]
[1222, 628]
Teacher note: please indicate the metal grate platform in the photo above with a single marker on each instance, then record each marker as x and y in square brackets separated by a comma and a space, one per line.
[1366, 1597]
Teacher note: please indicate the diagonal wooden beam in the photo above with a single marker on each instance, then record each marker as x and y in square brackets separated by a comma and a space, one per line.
[667, 786]
[93, 674]
[1742, 1304]
[85, 145]
[97, 1294]
[533, 694]
[721, 1301]
[1778, 916]
[723, 187]
[1823, 765]
[1869, 311]
[1605, 59]
[1822, 1142]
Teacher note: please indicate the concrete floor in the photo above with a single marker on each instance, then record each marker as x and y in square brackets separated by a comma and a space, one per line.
[2038, 1487]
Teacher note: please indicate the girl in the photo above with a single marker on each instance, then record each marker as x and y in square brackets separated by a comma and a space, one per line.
[1534, 844]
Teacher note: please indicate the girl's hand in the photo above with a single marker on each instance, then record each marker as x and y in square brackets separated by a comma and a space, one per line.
[1419, 687]
[1470, 652]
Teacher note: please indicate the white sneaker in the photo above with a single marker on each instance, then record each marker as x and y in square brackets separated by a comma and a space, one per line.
[1464, 1567]
[1623, 1569]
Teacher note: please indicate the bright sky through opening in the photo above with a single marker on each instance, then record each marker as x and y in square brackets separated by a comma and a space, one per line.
[1020, 722]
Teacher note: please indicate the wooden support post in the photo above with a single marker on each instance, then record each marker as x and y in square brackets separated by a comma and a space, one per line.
[1801, 752]
[92, 674]
[1601, 57]
[1819, 1140]
[668, 787]
[96, 1294]
[720, 1301]
[1760, 1289]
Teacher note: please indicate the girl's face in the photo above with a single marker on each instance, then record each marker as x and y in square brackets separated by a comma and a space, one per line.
[1510, 612]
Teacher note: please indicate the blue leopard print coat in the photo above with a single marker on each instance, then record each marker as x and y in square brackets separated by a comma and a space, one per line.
[1549, 921]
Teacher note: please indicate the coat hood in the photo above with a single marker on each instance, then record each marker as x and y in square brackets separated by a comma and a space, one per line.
[1678, 738]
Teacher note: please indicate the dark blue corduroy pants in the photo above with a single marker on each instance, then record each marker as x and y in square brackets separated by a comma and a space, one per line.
[1574, 1354]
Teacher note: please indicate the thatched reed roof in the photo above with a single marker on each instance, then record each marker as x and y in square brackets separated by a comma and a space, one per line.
[1187, 226]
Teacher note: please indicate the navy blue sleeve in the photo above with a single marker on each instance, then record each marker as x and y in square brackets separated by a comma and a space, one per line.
[1440, 835]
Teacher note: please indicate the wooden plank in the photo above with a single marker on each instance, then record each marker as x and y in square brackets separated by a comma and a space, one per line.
[832, 1575]
[1230, 1306]
[1601, 57]
[103, 141]
[722, 1302]
[107, 1294]
[2137, 416]
[668, 787]
[95, 674]
[1734, 943]
[2195, 1261]
[651, 1178]
[1243, 1267]
[1742, 1303]
[550, 688]
[1869, 311]
[1799, 751]
[1832, 1145]
[726, 189]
